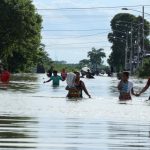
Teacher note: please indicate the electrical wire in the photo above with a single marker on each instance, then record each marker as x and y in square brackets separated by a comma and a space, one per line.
[88, 8]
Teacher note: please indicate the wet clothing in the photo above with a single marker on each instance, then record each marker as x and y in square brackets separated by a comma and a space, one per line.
[5, 76]
[73, 93]
[71, 80]
[125, 91]
[56, 80]
[76, 91]
[80, 88]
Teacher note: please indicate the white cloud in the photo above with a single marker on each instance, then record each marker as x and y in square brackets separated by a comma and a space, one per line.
[99, 18]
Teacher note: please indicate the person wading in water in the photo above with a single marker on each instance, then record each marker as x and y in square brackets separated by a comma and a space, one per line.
[145, 88]
[125, 87]
[75, 86]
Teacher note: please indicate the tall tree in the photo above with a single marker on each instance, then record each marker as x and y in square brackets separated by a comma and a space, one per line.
[20, 34]
[96, 57]
[84, 62]
[122, 25]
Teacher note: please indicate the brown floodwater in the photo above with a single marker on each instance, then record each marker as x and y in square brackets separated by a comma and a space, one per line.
[38, 116]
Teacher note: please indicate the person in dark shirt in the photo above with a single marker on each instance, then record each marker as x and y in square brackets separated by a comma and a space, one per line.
[50, 71]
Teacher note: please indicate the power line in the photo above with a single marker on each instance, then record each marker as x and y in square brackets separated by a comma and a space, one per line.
[77, 16]
[77, 47]
[84, 30]
[47, 30]
[78, 43]
[87, 8]
[79, 36]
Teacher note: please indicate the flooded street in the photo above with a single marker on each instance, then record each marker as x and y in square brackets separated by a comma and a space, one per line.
[37, 116]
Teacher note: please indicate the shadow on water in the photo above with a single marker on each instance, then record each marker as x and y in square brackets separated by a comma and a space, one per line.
[28, 77]
[107, 135]
[126, 136]
[48, 130]
[16, 132]
[71, 134]
[25, 83]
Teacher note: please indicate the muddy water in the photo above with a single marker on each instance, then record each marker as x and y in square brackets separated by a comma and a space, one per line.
[37, 116]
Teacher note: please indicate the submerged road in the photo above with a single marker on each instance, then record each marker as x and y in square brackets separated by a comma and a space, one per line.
[37, 116]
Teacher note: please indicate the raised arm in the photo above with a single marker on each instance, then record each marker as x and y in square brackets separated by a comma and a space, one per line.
[145, 88]
[47, 81]
[85, 89]
[132, 91]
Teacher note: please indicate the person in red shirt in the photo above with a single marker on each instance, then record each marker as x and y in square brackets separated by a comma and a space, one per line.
[145, 88]
[5, 76]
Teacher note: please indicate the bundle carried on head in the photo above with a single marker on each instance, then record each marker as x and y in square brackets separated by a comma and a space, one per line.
[71, 80]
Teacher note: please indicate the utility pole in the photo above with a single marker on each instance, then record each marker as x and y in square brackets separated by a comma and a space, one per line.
[131, 50]
[126, 51]
[138, 49]
[143, 36]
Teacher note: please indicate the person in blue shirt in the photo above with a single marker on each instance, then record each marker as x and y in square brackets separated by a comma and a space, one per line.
[55, 79]
[125, 87]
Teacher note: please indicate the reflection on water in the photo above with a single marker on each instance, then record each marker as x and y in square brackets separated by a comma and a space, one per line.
[72, 134]
[25, 83]
[24, 77]
[22, 87]
[37, 116]
[15, 132]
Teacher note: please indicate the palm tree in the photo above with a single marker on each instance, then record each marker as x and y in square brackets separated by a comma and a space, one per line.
[96, 57]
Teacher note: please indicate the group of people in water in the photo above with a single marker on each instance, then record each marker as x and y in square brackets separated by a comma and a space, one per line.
[75, 85]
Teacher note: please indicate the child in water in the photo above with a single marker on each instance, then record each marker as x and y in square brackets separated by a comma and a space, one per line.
[125, 87]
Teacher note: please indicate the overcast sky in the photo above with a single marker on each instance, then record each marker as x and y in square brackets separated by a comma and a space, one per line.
[88, 27]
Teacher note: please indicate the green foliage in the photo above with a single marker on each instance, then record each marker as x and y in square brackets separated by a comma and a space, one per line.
[95, 60]
[24, 77]
[84, 62]
[20, 35]
[121, 33]
[96, 57]
[145, 70]
[42, 58]
[68, 67]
